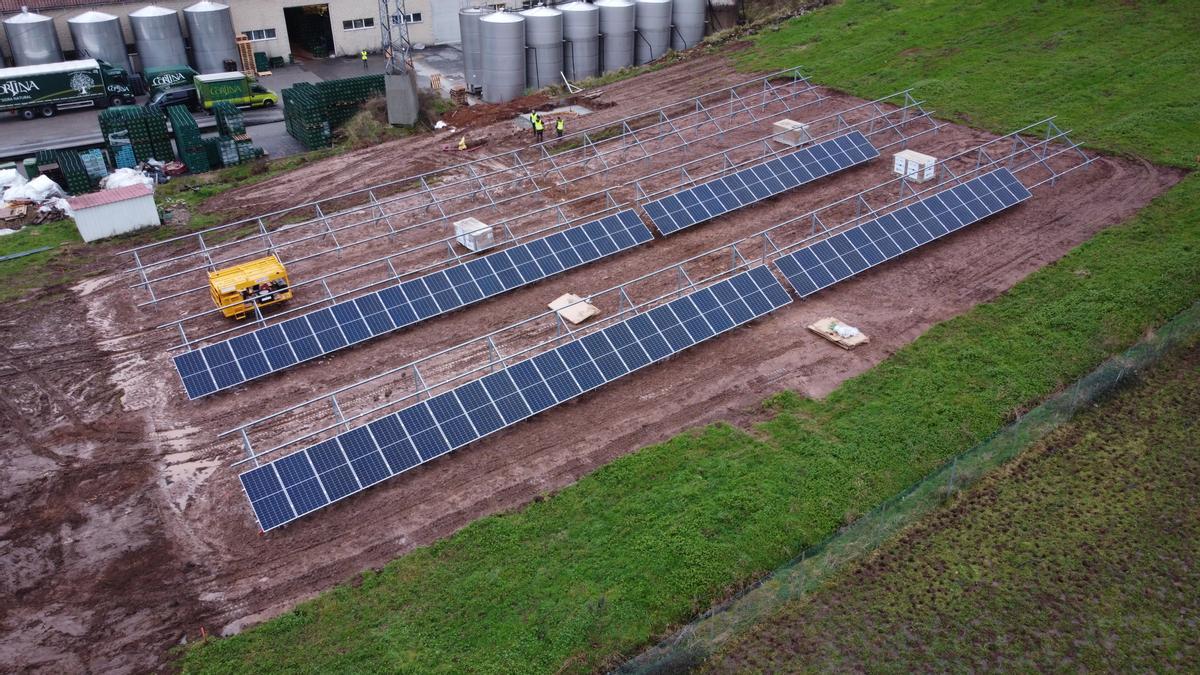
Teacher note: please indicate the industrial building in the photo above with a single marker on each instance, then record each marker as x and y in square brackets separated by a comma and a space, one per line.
[278, 27]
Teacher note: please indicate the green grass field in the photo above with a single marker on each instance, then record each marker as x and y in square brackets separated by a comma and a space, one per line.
[1084, 553]
[599, 569]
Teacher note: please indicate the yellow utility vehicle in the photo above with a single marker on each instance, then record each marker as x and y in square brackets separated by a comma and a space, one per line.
[236, 290]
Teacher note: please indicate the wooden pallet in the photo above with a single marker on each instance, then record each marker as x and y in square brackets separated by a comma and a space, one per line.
[824, 328]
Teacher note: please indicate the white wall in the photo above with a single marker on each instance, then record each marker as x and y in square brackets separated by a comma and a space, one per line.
[108, 220]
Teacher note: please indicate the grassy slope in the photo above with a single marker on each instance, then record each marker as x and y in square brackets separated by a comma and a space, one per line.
[19, 275]
[986, 584]
[1124, 75]
[651, 538]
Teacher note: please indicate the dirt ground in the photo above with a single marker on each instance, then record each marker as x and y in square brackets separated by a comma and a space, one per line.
[123, 530]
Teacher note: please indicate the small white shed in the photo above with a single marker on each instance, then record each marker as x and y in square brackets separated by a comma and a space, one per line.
[111, 212]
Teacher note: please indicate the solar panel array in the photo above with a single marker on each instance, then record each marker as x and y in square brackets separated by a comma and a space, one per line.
[845, 254]
[231, 362]
[289, 487]
[754, 184]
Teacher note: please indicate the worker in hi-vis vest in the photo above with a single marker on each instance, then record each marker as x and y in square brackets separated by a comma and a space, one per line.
[533, 122]
[364, 59]
[559, 125]
[539, 129]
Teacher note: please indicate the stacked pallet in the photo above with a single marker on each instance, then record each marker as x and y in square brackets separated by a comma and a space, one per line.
[313, 111]
[132, 129]
[65, 168]
[229, 119]
[188, 140]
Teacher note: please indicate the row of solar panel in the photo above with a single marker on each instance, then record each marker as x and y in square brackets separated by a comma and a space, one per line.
[848, 253]
[292, 486]
[754, 184]
[231, 362]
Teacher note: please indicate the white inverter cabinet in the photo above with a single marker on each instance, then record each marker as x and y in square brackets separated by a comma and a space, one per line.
[914, 166]
[473, 234]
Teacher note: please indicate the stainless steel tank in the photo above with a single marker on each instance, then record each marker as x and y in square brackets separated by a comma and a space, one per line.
[210, 26]
[98, 36]
[158, 38]
[653, 29]
[503, 39]
[581, 35]
[688, 17]
[543, 46]
[616, 34]
[472, 46]
[32, 39]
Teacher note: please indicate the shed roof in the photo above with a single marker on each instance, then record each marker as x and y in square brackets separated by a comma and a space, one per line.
[110, 196]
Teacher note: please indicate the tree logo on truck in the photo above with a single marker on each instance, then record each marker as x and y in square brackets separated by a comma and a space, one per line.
[15, 88]
[83, 82]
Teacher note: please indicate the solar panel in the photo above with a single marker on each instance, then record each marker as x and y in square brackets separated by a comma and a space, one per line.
[847, 253]
[756, 183]
[230, 363]
[289, 487]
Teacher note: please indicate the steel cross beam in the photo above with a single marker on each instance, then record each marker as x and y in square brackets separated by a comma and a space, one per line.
[611, 201]
[627, 305]
[141, 261]
[517, 163]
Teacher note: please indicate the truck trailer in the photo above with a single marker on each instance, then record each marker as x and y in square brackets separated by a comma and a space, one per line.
[45, 89]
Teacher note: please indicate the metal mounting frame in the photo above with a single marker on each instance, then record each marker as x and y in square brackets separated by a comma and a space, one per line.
[881, 123]
[1023, 155]
[573, 146]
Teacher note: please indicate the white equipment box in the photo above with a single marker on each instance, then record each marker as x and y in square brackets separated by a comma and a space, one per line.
[914, 166]
[791, 132]
[473, 234]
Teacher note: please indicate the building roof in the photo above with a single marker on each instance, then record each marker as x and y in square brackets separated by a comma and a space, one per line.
[110, 196]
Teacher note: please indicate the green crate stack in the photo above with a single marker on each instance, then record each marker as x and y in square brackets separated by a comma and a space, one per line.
[229, 119]
[212, 148]
[65, 168]
[188, 140]
[145, 129]
[312, 111]
[156, 127]
[305, 116]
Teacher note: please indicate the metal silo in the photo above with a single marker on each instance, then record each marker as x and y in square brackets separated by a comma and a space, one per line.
[503, 39]
[98, 36]
[688, 17]
[32, 39]
[616, 34]
[210, 26]
[472, 46]
[158, 38]
[581, 30]
[543, 46]
[653, 29]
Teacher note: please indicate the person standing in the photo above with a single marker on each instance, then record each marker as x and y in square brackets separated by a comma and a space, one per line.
[364, 59]
[559, 126]
[539, 130]
[533, 120]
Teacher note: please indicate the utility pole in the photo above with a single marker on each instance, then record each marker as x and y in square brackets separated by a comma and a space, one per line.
[400, 78]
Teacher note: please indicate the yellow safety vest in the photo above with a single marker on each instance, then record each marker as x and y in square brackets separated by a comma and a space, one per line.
[364, 55]
[537, 125]
[559, 125]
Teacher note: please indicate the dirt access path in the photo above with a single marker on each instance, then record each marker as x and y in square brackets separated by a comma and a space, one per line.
[123, 530]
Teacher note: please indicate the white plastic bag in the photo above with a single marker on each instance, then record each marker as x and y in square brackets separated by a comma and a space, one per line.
[124, 178]
[845, 331]
[37, 190]
[10, 178]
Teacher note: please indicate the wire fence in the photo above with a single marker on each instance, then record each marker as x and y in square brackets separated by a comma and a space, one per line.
[704, 636]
